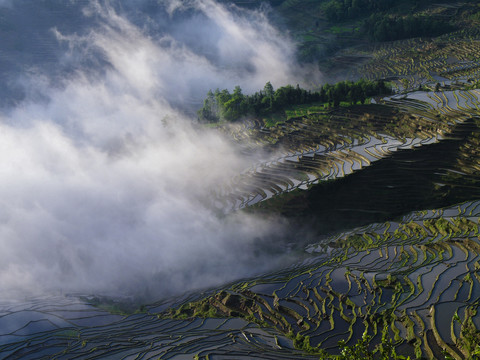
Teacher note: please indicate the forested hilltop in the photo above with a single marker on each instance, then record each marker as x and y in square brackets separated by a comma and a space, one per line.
[226, 106]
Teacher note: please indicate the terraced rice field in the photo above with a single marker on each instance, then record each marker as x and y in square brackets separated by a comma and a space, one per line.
[421, 62]
[75, 329]
[416, 280]
[329, 145]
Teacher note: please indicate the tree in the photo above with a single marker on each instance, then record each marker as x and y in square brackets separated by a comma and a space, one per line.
[268, 89]
[209, 112]
[234, 108]
[267, 101]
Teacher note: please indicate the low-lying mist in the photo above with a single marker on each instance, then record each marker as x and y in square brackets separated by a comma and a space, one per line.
[104, 181]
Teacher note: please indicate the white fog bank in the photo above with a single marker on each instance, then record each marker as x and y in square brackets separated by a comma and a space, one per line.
[104, 182]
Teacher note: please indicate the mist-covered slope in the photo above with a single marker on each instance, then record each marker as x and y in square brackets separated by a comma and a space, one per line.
[129, 228]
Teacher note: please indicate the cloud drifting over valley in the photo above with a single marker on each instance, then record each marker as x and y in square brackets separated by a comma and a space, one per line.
[104, 180]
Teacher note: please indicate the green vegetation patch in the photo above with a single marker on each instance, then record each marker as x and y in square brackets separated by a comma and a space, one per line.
[221, 106]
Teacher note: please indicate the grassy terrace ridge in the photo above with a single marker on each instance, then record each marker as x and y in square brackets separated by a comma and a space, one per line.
[373, 286]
